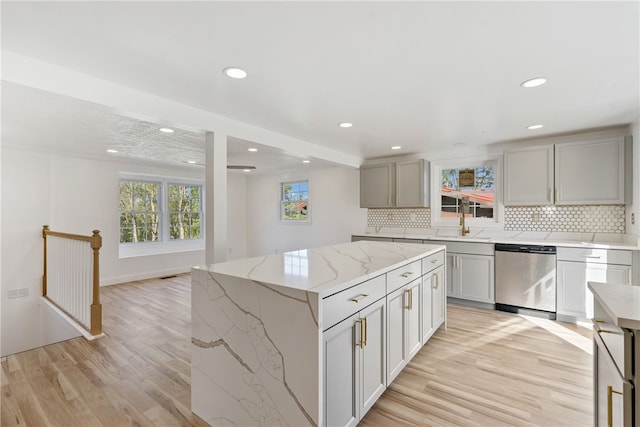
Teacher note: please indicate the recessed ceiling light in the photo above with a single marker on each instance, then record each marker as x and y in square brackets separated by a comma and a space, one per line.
[191, 162]
[253, 150]
[247, 170]
[112, 151]
[396, 147]
[166, 130]
[306, 161]
[534, 127]
[235, 72]
[538, 81]
[345, 124]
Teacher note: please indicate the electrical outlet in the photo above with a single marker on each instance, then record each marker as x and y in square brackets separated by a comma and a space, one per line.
[18, 293]
[412, 217]
[535, 217]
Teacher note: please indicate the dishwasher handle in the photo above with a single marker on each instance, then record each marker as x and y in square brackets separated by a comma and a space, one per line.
[528, 249]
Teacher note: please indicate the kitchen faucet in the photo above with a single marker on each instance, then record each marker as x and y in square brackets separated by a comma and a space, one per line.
[463, 211]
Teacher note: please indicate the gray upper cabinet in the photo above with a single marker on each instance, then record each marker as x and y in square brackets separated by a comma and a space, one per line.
[590, 173]
[377, 184]
[412, 189]
[528, 176]
[398, 184]
[572, 173]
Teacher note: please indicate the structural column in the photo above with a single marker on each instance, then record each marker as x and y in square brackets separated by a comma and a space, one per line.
[216, 197]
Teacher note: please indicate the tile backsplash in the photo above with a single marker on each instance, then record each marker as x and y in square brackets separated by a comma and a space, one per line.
[580, 219]
[399, 218]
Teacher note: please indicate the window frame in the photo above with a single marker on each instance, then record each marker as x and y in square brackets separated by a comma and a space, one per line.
[436, 192]
[283, 220]
[164, 244]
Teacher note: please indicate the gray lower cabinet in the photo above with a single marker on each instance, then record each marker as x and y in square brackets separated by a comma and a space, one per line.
[355, 367]
[403, 323]
[576, 266]
[374, 329]
[471, 277]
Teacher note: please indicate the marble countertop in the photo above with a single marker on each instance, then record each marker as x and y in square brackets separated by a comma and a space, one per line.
[621, 302]
[562, 239]
[325, 270]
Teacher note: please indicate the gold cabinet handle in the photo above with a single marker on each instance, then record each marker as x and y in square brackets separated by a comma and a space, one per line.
[435, 261]
[361, 324]
[610, 392]
[437, 281]
[365, 331]
[407, 274]
[408, 293]
[359, 298]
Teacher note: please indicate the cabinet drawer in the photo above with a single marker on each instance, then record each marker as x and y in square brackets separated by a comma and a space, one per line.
[403, 275]
[339, 306]
[595, 255]
[432, 261]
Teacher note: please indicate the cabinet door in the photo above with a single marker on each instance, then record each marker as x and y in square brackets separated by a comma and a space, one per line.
[427, 302]
[610, 393]
[475, 273]
[574, 297]
[376, 186]
[341, 393]
[413, 317]
[528, 176]
[590, 173]
[396, 333]
[452, 276]
[373, 355]
[412, 189]
[438, 299]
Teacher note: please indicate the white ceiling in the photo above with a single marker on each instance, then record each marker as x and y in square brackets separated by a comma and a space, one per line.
[423, 75]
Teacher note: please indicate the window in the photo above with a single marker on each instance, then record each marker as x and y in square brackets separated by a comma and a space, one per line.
[139, 211]
[473, 183]
[159, 210]
[294, 201]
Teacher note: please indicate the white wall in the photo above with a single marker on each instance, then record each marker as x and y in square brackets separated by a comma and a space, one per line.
[334, 201]
[70, 194]
[236, 216]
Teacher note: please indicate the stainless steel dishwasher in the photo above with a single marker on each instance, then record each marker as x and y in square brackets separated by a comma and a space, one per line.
[526, 279]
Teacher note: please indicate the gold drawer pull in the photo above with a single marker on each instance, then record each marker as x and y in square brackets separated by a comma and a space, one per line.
[359, 298]
[407, 274]
[435, 261]
[610, 392]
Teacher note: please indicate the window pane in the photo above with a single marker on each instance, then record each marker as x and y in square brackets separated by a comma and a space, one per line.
[295, 200]
[139, 211]
[480, 194]
[184, 211]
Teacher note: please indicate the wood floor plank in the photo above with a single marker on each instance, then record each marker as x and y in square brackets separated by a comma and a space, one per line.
[488, 369]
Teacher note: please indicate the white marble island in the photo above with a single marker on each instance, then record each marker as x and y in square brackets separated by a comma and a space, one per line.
[258, 328]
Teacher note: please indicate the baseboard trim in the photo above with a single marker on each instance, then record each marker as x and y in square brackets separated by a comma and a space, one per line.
[143, 276]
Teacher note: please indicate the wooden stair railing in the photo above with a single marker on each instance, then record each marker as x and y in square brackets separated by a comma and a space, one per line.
[71, 279]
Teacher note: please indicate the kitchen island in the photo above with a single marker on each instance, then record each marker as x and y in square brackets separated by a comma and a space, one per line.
[310, 337]
[616, 350]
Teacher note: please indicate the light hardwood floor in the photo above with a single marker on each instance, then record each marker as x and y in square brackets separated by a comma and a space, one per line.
[488, 369]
